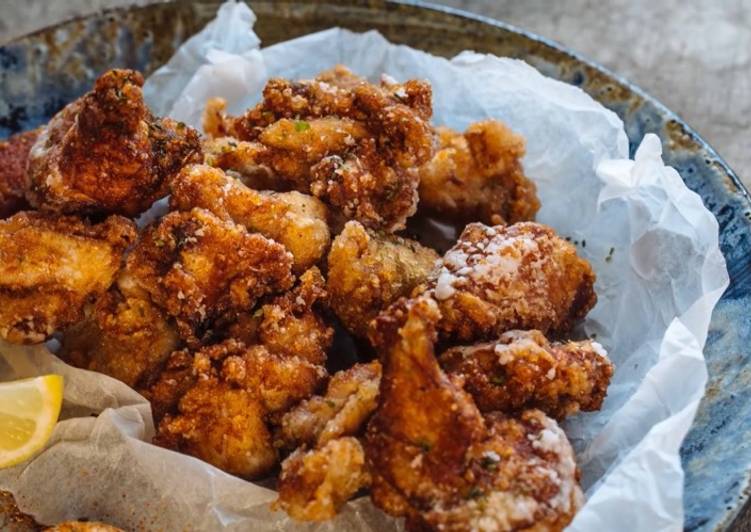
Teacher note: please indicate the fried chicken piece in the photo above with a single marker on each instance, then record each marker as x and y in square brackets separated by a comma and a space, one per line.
[314, 484]
[436, 461]
[328, 467]
[106, 153]
[350, 399]
[125, 337]
[51, 267]
[368, 270]
[14, 153]
[83, 526]
[199, 268]
[478, 176]
[355, 145]
[224, 417]
[499, 278]
[523, 370]
[295, 220]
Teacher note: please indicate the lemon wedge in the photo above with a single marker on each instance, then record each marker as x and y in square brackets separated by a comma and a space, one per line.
[28, 412]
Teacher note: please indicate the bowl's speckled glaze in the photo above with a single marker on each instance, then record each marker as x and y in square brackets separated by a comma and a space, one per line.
[41, 72]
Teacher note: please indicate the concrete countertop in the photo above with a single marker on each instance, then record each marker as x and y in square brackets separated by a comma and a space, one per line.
[695, 57]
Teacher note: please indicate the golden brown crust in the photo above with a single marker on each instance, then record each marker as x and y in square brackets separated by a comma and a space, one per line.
[435, 460]
[499, 278]
[296, 220]
[478, 176]
[355, 145]
[51, 267]
[315, 483]
[223, 418]
[369, 270]
[291, 325]
[14, 154]
[106, 153]
[127, 338]
[350, 399]
[523, 370]
[199, 268]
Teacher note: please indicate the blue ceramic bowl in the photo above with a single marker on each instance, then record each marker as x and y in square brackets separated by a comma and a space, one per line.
[41, 72]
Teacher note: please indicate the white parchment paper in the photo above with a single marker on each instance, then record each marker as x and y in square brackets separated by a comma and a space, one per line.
[651, 241]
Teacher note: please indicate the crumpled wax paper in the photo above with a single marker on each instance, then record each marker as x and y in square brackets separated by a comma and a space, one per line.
[651, 241]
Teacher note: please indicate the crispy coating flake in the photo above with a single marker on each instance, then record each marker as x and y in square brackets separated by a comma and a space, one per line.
[355, 145]
[106, 153]
[224, 417]
[315, 483]
[369, 270]
[295, 220]
[51, 267]
[435, 460]
[350, 399]
[14, 154]
[127, 338]
[499, 278]
[478, 176]
[199, 268]
[523, 370]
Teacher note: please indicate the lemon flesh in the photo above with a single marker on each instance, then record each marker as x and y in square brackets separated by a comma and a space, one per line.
[29, 409]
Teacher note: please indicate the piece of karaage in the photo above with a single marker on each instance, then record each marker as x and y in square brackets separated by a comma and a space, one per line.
[106, 153]
[435, 460]
[14, 154]
[369, 270]
[224, 417]
[355, 145]
[350, 399]
[199, 269]
[477, 176]
[51, 267]
[315, 483]
[499, 278]
[523, 370]
[125, 337]
[327, 467]
[296, 220]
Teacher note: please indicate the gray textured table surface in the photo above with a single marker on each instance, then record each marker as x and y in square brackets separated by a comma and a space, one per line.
[695, 57]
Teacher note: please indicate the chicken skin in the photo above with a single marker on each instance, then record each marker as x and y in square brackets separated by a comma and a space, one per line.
[328, 468]
[354, 145]
[125, 337]
[14, 154]
[477, 177]
[500, 278]
[82, 526]
[523, 370]
[368, 270]
[51, 267]
[435, 460]
[105, 152]
[224, 418]
[200, 269]
[296, 220]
